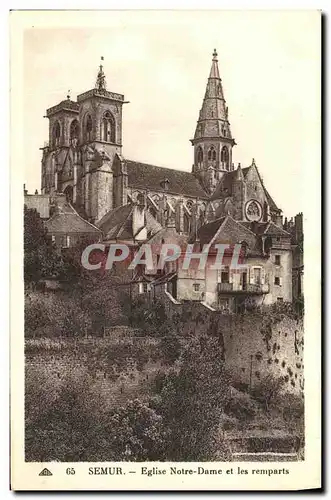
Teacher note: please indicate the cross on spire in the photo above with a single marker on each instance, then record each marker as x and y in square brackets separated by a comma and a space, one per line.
[101, 77]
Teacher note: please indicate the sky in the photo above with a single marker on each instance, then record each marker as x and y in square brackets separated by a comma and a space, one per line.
[269, 63]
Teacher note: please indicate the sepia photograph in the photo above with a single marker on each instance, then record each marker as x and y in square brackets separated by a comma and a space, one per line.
[164, 211]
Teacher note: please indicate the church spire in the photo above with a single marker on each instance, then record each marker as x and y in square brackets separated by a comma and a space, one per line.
[100, 83]
[214, 72]
[213, 118]
[213, 138]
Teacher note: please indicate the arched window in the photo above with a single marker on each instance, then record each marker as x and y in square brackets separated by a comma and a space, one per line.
[56, 134]
[74, 131]
[69, 194]
[88, 128]
[187, 224]
[199, 156]
[225, 157]
[189, 204]
[212, 154]
[108, 128]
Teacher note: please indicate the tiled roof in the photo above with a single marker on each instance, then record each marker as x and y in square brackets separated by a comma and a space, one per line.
[207, 231]
[118, 223]
[228, 231]
[275, 230]
[256, 227]
[168, 235]
[114, 218]
[164, 279]
[268, 228]
[224, 187]
[271, 202]
[66, 220]
[144, 176]
[66, 105]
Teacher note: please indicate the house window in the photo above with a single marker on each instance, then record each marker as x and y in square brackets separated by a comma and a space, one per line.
[278, 238]
[225, 275]
[277, 280]
[196, 287]
[257, 273]
[53, 238]
[277, 260]
[280, 299]
[143, 288]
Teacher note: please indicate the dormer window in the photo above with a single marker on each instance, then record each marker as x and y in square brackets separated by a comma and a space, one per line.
[165, 184]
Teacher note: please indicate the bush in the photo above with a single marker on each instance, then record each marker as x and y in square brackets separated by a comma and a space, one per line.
[69, 421]
[191, 402]
[148, 316]
[240, 406]
[54, 315]
[267, 390]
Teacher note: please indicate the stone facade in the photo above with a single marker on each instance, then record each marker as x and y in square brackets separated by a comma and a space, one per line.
[84, 160]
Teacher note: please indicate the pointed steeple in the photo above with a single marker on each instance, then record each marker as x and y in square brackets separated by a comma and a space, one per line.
[213, 140]
[214, 72]
[100, 83]
[213, 117]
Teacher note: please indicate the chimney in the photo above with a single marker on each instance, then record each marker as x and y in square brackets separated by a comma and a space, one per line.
[298, 223]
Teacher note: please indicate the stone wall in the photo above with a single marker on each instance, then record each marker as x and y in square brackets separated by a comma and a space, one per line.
[255, 344]
[250, 356]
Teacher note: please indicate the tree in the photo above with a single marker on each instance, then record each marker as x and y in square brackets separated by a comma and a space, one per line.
[191, 402]
[71, 421]
[40, 257]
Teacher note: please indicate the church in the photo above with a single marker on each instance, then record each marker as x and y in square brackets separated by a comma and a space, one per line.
[85, 174]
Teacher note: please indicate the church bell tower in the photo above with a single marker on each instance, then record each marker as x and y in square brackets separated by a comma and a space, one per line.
[213, 140]
[100, 113]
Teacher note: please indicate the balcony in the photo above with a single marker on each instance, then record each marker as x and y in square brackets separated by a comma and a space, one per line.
[243, 289]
